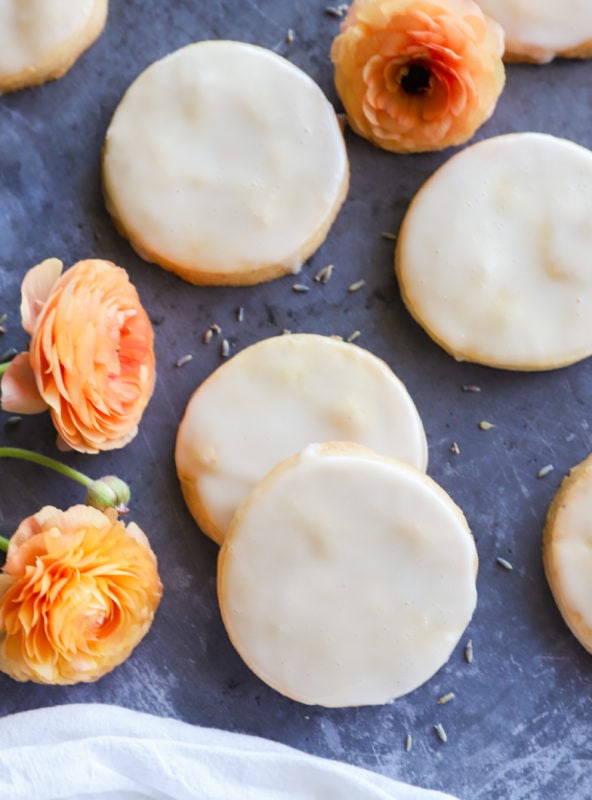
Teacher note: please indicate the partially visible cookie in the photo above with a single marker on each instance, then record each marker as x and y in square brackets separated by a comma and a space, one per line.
[225, 163]
[567, 551]
[41, 39]
[347, 578]
[273, 399]
[493, 254]
[539, 30]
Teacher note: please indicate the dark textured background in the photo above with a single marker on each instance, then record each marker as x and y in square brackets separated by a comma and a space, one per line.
[519, 726]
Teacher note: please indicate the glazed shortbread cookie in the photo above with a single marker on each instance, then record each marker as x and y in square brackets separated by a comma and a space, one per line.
[41, 39]
[567, 551]
[539, 30]
[273, 399]
[493, 254]
[346, 578]
[225, 163]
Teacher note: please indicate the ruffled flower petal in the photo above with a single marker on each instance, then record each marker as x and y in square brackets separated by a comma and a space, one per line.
[19, 392]
[36, 287]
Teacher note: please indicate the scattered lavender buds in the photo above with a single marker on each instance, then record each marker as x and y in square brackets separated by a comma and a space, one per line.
[324, 275]
[486, 426]
[441, 733]
[469, 652]
[356, 286]
[545, 470]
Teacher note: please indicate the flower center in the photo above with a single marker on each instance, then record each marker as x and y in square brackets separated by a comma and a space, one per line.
[415, 79]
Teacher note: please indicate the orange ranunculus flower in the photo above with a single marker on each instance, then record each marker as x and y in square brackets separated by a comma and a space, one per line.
[416, 75]
[78, 592]
[91, 358]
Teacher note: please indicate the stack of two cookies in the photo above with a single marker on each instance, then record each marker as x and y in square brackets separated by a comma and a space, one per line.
[346, 575]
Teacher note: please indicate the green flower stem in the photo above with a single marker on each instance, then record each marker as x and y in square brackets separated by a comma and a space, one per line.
[4, 367]
[3, 544]
[44, 461]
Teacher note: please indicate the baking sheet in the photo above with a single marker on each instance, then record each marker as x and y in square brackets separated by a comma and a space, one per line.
[518, 726]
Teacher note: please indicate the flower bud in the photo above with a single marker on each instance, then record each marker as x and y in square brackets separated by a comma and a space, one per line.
[108, 492]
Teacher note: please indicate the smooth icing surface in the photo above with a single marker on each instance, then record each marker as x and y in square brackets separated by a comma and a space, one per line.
[540, 29]
[273, 399]
[346, 578]
[501, 275]
[31, 29]
[568, 551]
[224, 157]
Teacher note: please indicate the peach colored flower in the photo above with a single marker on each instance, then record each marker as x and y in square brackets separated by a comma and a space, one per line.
[416, 75]
[91, 358]
[78, 592]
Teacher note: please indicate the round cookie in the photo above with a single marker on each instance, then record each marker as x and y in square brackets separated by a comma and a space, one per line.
[347, 578]
[41, 39]
[225, 163]
[273, 399]
[539, 30]
[501, 276]
[567, 551]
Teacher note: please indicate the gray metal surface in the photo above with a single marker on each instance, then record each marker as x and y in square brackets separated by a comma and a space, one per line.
[519, 725]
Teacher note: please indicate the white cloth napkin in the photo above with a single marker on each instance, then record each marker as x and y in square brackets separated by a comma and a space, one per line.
[101, 752]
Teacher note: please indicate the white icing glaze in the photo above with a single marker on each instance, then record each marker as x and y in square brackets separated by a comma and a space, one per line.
[568, 553]
[273, 399]
[31, 29]
[501, 275]
[224, 157]
[346, 578]
[540, 29]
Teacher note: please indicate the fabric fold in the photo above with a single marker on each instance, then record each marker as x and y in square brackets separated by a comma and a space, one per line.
[102, 752]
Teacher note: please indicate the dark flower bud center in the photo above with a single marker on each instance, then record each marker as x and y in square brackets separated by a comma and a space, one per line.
[415, 79]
